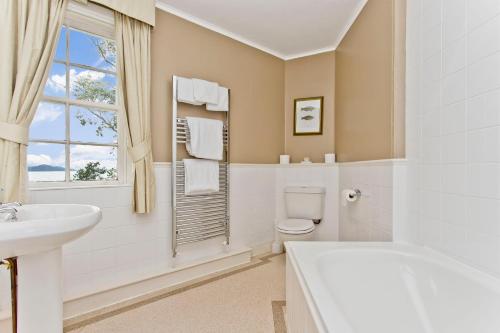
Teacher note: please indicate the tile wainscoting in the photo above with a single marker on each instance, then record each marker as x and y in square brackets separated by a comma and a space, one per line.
[125, 247]
[370, 218]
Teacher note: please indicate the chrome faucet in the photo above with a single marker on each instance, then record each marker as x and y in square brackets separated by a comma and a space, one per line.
[11, 213]
[11, 204]
[10, 209]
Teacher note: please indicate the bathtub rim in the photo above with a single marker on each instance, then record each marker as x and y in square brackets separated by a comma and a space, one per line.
[322, 247]
[311, 304]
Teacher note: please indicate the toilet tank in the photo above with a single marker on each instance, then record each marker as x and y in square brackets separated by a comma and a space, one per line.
[304, 202]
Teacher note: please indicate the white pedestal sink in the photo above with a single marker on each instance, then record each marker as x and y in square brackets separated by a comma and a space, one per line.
[36, 240]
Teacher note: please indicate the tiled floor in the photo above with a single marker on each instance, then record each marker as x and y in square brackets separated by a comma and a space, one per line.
[240, 302]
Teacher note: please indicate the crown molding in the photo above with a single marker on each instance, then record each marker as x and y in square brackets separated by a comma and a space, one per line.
[351, 21]
[310, 53]
[210, 26]
[196, 20]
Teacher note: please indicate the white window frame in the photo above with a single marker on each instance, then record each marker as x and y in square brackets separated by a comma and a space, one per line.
[98, 21]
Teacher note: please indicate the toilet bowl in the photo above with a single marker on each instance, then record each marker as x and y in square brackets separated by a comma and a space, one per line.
[295, 230]
[303, 208]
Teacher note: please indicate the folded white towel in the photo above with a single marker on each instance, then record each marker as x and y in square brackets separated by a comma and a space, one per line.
[200, 177]
[205, 138]
[222, 103]
[205, 91]
[185, 91]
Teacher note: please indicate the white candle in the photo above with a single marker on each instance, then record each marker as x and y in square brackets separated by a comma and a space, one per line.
[284, 159]
[329, 158]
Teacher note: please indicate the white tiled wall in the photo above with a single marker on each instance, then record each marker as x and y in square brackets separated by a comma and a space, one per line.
[370, 218]
[102, 258]
[453, 129]
[253, 204]
[126, 247]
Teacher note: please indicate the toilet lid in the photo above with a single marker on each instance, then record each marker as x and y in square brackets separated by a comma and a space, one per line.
[296, 225]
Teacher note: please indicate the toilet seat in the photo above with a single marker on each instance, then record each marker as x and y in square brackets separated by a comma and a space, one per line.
[295, 226]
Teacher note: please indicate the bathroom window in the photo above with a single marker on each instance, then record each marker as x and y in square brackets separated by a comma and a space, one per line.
[75, 137]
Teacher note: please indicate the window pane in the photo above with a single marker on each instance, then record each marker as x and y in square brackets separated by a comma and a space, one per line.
[91, 50]
[46, 162]
[92, 86]
[61, 46]
[92, 125]
[89, 163]
[56, 82]
[49, 122]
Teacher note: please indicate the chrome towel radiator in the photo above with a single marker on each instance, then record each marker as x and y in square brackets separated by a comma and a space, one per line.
[200, 217]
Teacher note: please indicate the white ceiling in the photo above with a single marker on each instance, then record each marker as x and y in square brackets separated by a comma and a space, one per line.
[285, 28]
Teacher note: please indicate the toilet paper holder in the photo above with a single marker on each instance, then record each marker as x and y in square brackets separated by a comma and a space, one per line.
[350, 195]
[356, 194]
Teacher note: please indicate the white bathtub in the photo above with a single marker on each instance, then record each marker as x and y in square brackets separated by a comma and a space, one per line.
[386, 288]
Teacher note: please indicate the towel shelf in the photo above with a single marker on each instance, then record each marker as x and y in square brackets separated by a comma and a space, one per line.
[199, 217]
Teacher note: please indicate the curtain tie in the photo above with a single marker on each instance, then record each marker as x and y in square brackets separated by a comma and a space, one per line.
[14, 133]
[139, 151]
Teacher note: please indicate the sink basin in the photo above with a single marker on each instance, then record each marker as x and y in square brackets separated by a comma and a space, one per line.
[36, 239]
[44, 227]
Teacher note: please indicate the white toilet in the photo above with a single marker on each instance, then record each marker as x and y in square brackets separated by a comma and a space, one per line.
[304, 206]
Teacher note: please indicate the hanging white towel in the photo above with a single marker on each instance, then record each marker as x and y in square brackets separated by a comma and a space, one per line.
[205, 138]
[222, 103]
[185, 91]
[200, 177]
[205, 91]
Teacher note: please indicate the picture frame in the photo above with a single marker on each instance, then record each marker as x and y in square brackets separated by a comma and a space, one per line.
[308, 116]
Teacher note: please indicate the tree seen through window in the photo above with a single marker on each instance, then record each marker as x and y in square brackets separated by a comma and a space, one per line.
[74, 135]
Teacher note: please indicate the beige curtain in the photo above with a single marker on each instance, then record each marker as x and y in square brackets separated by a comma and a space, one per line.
[28, 36]
[133, 43]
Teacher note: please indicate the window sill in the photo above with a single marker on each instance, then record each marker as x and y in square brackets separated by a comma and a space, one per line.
[75, 187]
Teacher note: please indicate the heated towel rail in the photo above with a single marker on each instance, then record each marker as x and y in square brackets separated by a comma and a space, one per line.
[200, 217]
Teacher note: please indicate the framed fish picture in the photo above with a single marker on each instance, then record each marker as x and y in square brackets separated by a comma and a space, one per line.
[308, 116]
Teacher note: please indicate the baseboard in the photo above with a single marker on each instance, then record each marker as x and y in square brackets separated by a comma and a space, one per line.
[81, 309]
[78, 310]
[90, 306]
[261, 249]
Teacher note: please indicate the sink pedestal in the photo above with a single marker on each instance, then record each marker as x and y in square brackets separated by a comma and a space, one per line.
[36, 240]
[39, 301]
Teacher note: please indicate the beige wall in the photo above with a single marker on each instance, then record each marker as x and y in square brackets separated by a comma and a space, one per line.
[362, 82]
[369, 119]
[256, 80]
[310, 77]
